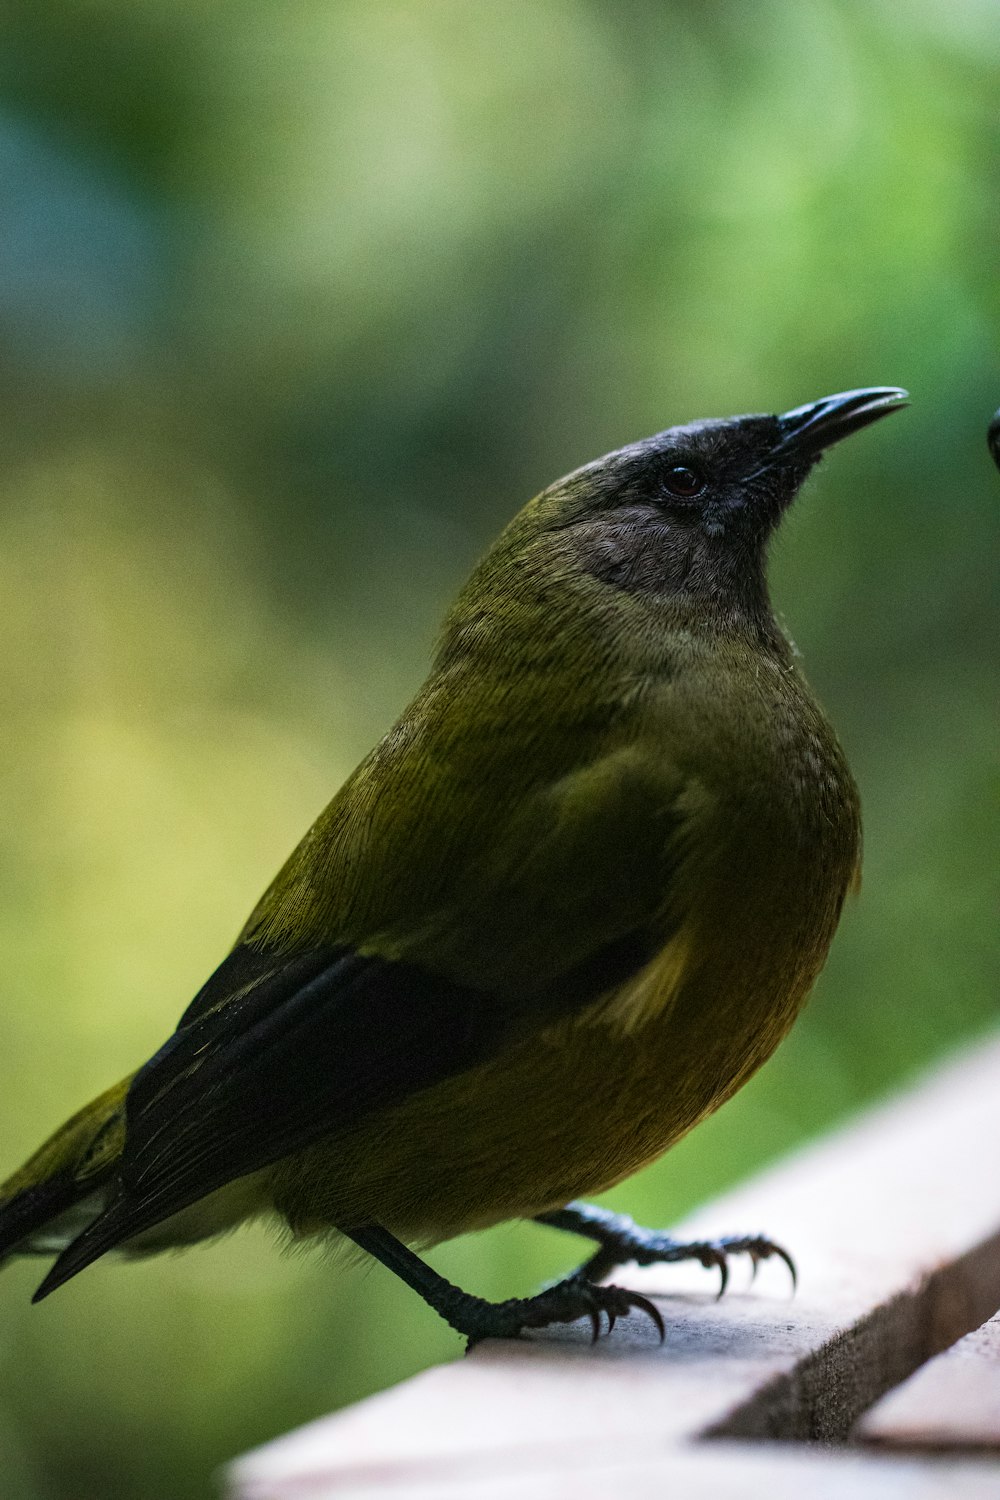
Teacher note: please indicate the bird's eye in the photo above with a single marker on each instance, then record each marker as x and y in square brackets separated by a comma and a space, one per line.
[683, 482]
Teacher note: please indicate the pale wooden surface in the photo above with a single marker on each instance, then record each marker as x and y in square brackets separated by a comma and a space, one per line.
[895, 1224]
[952, 1402]
[713, 1472]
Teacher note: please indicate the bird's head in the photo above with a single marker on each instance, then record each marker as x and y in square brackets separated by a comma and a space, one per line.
[689, 511]
[677, 523]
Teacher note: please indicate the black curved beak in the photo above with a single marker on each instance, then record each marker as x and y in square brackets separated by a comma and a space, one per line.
[808, 430]
[993, 438]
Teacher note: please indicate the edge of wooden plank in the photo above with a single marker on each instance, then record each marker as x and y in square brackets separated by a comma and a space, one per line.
[719, 1472]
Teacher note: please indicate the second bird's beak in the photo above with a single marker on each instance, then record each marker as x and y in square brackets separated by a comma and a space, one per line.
[993, 438]
[807, 430]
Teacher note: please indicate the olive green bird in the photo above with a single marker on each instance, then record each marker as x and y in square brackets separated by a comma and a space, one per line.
[563, 910]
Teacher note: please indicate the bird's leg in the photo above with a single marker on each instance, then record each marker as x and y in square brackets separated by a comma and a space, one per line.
[620, 1240]
[576, 1297]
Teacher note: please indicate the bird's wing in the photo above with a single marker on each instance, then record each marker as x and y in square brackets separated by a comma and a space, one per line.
[285, 1046]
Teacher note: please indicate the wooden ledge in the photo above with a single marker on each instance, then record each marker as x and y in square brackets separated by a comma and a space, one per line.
[895, 1225]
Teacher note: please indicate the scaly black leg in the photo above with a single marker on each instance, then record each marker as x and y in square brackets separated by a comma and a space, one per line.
[477, 1319]
[621, 1240]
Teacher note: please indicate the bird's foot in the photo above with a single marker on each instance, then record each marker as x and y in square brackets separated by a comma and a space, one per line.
[625, 1241]
[477, 1319]
[576, 1297]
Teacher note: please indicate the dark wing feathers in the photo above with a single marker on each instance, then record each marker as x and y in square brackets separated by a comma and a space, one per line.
[321, 1043]
[306, 1045]
[324, 1041]
[252, 968]
[229, 1098]
[327, 1038]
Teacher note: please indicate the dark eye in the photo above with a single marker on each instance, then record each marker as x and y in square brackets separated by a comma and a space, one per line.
[684, 482]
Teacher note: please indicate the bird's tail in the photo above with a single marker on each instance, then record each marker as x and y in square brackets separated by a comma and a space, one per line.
[65, 1185]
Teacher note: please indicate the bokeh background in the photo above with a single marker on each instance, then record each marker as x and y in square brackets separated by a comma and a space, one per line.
[298, 301]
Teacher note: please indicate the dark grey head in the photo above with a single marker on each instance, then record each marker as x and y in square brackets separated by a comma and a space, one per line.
[690, 510]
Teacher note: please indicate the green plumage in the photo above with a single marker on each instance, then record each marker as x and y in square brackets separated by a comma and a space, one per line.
[561, 912]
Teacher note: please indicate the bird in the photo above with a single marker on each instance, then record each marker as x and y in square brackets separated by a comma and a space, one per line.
[564, 909]
[993, 438]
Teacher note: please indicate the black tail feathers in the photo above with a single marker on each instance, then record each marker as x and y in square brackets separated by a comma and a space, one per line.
[102, 1235]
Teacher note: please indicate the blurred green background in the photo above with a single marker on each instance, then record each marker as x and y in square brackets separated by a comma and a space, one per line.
[298, 302]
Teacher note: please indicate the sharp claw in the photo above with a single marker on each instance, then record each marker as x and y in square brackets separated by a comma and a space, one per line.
[784, 1256]
[651, 1310]
[723, 1265]
[595, 1324]
[763, 1250]
[612, 1319]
